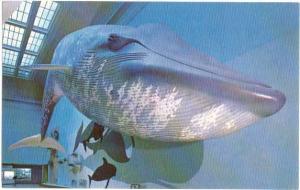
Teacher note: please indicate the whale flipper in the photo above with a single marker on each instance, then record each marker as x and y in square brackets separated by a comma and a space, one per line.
[35, 141]
[48, 108]
[47, 67]
[52, 94]
[114, 146]
[104, 172]
[78, 137]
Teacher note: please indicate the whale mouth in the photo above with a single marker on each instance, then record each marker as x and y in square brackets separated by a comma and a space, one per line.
[262, 99]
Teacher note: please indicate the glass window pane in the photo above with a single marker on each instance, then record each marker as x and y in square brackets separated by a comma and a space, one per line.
[23, 174]
[42, 22]
[48, 5]
[14, 15]
[39, 13]
[24, 74]
[12, 33]
[27, 8]
[27, 59]
[47, 22]
[51, 13]
[9, 57]
[22, 6]
[20, 17]
[34, 41]
[36, 21]
[21, 14]
[5, 33]
[14, 43]
[8, 175]
[8, 70]
[45, 13]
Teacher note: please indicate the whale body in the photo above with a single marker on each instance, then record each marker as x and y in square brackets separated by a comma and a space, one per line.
[148, 82]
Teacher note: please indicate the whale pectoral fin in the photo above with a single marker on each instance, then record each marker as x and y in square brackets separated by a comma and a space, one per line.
[90, 180]
[104, 161]
[52, 96]
[35, 141]
[78, 137]
[48, 108]
[53, 93]
[47, 67]
[84, 145]
[114, 146]
[132, 141]
[107, 183]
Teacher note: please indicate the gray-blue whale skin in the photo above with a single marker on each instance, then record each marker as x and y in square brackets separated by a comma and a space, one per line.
[147, 82]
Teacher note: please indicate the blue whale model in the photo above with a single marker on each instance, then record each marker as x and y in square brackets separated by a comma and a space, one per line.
[148, 82]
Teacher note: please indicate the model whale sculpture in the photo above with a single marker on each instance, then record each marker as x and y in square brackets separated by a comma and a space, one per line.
[104, 172]
[112, 142]
[163, 163]
[93, 130]
[149, 83]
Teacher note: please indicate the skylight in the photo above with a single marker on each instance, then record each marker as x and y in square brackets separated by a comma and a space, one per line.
[27, 60]
[24, 34]
[8, 70]
[12, 35]
[45, 14]
[23, 73]
[34, 41]
[9, 61]
[9, 57]
[21, 14]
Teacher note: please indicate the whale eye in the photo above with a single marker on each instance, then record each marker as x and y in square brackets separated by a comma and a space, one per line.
[116, 42]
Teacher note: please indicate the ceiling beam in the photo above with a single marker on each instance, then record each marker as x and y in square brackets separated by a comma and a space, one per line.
[31, 17]
[24, 26]
[8, 47]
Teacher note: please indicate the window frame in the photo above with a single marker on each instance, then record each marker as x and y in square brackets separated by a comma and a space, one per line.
[29, 29]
